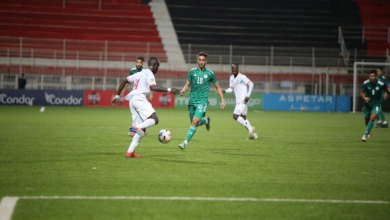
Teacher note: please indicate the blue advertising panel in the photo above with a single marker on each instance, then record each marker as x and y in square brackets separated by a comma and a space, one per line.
[343, 103]
[298, 102]
[42, 97]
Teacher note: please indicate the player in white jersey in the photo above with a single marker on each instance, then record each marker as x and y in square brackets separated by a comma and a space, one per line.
[242, 87]
[142, 112]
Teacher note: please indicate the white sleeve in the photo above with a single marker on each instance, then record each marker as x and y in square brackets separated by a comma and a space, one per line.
[246, 80]
[150, 79]
[130, 79]
[249, 92]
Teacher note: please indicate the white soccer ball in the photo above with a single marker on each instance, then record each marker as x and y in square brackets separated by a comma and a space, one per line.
[164, 136]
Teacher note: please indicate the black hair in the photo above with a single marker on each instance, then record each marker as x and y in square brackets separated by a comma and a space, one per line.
[373, 71]
[152, 61]
[235, 64]
[140, 58]
[202, 54]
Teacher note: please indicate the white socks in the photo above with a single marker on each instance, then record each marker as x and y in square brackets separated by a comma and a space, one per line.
[147, 123]
[134, 143]
[244, 122]
[248, 124]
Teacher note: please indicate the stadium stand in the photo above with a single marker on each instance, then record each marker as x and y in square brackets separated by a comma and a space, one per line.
[376, 20]
[127, 26]
[291, 27]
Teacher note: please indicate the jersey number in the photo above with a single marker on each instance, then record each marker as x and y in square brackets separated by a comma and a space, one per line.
[373, 92]
[200, 80]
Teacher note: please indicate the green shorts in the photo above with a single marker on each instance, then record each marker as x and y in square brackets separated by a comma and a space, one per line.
[369, 110]
[197, 110]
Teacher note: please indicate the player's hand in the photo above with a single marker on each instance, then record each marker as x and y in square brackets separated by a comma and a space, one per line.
[367, 99]
[182, 92]
[246, 100]
[174, 91]
[150, 97]
[384, 96]
[223, 104]
[115, 101]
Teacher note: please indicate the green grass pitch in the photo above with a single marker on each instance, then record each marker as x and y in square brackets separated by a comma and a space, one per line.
[69, 151]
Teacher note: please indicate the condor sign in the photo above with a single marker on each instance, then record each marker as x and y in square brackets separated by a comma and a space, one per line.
[295, 102]
[41, 97]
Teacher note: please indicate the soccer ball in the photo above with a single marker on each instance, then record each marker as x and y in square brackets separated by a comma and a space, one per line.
[164, 136]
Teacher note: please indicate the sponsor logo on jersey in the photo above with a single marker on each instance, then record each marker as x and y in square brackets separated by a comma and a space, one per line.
[205, 76]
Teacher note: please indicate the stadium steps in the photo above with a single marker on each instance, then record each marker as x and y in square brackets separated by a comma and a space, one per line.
[128, 26]
[279, 23]
[376, 14]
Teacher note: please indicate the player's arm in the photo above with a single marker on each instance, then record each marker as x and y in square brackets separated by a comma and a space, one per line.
[220, 93]
[366, 99]
[119, 91]
[249, 92]
[151, 96]
[185, 88]
[163, 89]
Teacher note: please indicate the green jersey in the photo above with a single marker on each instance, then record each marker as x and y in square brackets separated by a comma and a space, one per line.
[134, 71]
[200, 85]
[374, 91]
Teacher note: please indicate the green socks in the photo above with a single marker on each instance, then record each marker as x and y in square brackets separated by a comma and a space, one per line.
[381, 116]
[191, 132]
[202, 121]
[368, 128]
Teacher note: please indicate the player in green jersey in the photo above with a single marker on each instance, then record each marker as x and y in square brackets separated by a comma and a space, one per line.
[198, 79]
[139, 62]
[382, 123]
[372, 93]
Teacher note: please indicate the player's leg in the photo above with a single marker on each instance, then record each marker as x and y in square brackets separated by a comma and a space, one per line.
[372, 116]
[239, 115]
[196, 113]
[382, 118]
[136, 137]
[146, 112]
[204, 121]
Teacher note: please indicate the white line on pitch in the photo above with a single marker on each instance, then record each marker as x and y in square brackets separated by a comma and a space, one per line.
[206, 199]
[7, 206]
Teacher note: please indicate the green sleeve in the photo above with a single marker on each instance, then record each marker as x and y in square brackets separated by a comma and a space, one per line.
[213, 78]
[364, 89]
[189, 76]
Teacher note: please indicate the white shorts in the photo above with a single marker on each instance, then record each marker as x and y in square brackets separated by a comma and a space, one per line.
[240, 109]
[140, 108]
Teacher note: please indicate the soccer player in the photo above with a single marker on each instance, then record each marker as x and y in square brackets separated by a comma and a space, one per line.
[242, 87]
[139, 62]
[372, 93]
[382, 123]
[198, 79]
[143, 114]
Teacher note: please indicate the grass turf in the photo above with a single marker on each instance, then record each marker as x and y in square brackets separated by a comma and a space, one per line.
[69, 151]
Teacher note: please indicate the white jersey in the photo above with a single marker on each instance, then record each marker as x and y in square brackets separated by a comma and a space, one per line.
[240, 87]
[141, 83]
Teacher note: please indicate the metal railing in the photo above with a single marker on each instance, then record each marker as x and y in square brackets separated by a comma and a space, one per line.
[344, 51]
[362, 34]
